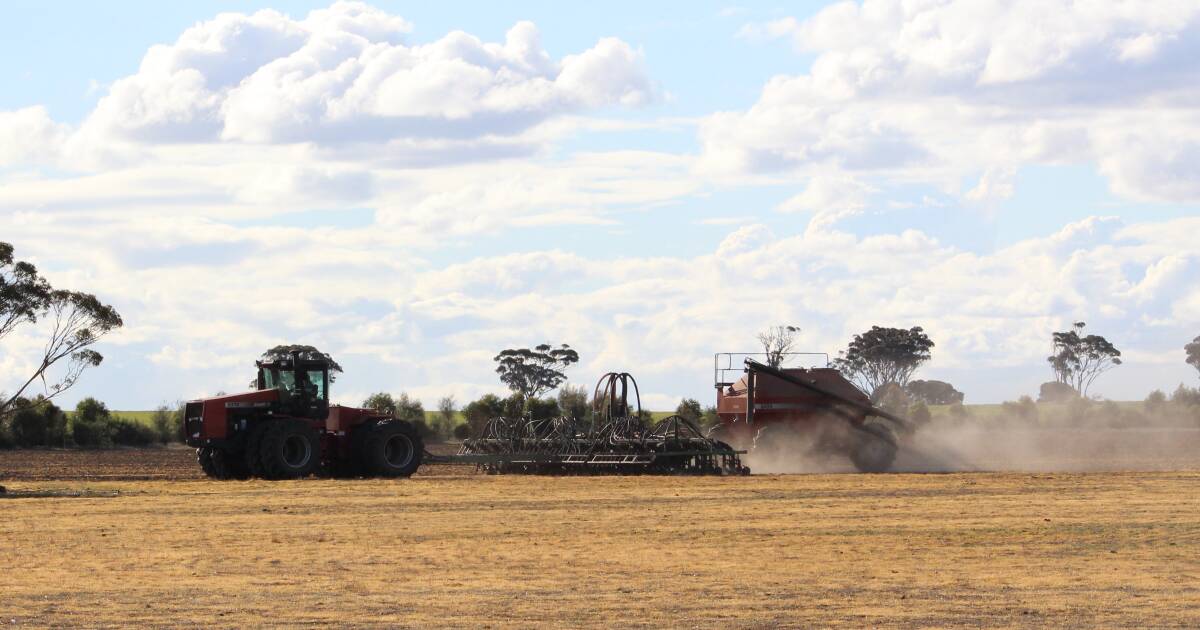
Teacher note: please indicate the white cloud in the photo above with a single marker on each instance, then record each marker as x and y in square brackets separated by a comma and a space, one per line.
[829, 198]
[939, 91]
[344, 75]
[28, 136]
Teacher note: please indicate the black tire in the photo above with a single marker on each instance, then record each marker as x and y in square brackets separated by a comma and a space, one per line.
[220, 463]
[391, 449]
[204, 458]
[876, 449]
[290, 449]
[252, 456]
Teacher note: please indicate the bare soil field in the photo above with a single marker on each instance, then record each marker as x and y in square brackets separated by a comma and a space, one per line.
[452, 548]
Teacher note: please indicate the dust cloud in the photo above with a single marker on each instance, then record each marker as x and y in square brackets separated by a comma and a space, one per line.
[1002, 444]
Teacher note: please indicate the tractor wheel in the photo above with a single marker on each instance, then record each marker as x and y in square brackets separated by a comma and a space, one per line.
[876, 449]
[391, 449]
[290, 449]
[252, 456]
[220, 463]
[204, 458]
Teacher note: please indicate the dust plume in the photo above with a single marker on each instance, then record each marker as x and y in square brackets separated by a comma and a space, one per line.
[1096, 439]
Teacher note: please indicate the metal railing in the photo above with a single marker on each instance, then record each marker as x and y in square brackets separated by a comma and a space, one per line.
[728, 366]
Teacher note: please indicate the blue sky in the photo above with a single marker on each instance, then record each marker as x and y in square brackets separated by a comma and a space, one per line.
[415, 186]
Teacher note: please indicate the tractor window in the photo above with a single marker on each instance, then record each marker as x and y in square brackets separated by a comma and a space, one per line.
[283, 380]
[317, 378]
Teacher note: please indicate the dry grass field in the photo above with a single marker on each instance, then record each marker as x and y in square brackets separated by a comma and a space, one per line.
[452, 548]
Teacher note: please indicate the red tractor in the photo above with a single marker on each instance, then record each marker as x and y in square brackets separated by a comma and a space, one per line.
[779, 412]
[287, 429]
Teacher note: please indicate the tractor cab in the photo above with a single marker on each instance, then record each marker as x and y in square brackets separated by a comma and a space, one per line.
[303, 384]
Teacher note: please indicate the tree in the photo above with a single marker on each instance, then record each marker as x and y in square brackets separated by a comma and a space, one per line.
[777, 341]
[533, 372]
[1078, 359]
[168, 422]
[573, 401]
[446, 408]
[307, 353]
[884, 355]
[541, 408]
[690, 408]
[933, 392]
[89, 424]
[1193, 353]
[381, 402]
[1053, 391]
[409, 409]
[478, 412]
[74, 321]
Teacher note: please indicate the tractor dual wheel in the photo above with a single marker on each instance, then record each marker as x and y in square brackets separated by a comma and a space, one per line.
[876, 449]
[390, 448]
[288, 449]
[221, 464]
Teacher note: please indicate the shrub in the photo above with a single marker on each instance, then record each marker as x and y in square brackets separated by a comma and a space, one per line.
[1054, 391]
[168, 423]
[514, 406]
[462, 431]
[89, 424]
[893, 399]
[573, 402]
[28, 424]
[6, 440]
[478, 412]
[1155, 402]
[1186, 396]
[919, 414]
[709, 417]
[958, 411]
[690, 408]
[933, 392]
[127, 432]
[91, 433]
[445, 417]
[1078, 410]
[1023, 409]
[541, 408]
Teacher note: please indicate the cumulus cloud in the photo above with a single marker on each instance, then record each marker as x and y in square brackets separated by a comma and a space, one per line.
[939, 91]
[345, 75]
[28, 136]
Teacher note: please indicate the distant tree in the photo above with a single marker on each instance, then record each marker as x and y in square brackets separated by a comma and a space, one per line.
[919, 413]
[533, 372]
[573, 401]
[776, 342]
[28, 425]
[1078, 359]
[168, 422]
[1193, 353]
[446, 408]
[884, 355]
[541, 408]
[74, 321]
[479, 411]
[307, 353]
[892, 398]
[1053, 391]
[1155, 402]
[90, 424]
[690, 408]
[933, 392]
[709, 417]
[381, 402]
[409, 409]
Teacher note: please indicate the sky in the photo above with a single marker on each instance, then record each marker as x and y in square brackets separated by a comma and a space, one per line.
[414, 187]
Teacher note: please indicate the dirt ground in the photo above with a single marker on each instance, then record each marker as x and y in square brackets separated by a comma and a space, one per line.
[451, 548]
